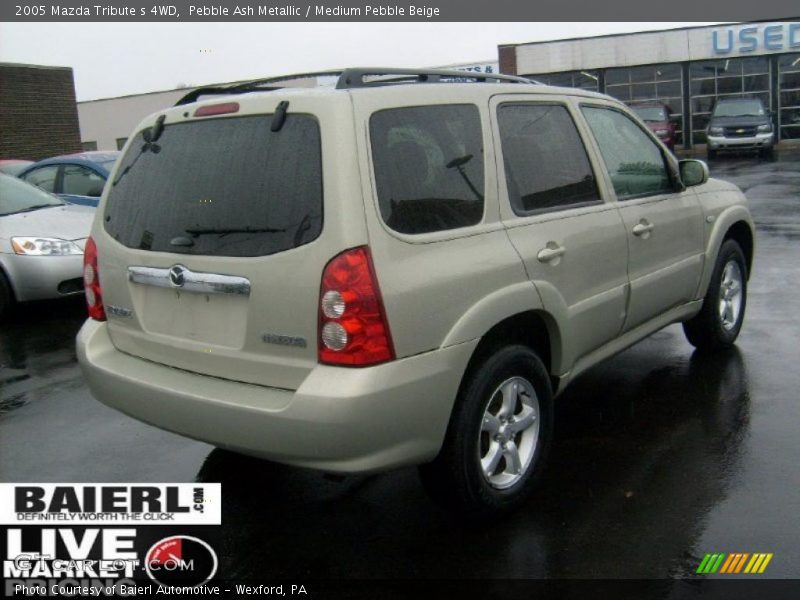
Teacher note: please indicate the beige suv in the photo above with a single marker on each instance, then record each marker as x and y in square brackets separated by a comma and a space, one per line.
[401, 270]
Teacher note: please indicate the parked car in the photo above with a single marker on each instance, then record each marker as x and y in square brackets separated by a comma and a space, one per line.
[77, 178]
[401, 270]
[659, 119]
[740, 124]
[41, 244]
[14, 167]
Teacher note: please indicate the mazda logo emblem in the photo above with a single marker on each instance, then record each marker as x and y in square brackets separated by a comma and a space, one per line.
[176, 275]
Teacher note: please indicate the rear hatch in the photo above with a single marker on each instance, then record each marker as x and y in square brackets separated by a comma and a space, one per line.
[215, 237]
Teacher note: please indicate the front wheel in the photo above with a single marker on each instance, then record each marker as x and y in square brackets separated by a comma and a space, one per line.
[498, 437]
[719, 321]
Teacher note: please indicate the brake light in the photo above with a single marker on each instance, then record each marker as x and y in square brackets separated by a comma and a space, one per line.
[353, 330]
[91, 282]
[217, 109]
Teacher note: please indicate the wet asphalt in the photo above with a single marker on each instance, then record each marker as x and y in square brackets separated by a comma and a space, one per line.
[661, 454]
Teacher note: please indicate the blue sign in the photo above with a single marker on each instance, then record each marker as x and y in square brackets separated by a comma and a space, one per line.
[767, 38]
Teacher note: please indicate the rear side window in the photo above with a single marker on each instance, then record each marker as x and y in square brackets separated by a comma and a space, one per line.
[223, 187]
[633, 159]
[546, 164]
[428, 167]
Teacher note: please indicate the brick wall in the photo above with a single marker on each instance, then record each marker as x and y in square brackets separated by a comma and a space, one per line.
[507, 57]
[38, 113]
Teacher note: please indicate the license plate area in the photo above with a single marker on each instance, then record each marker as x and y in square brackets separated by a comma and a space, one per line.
[203, 318]
[206, 308]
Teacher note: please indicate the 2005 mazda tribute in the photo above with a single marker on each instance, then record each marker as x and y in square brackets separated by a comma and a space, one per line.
[401, 270]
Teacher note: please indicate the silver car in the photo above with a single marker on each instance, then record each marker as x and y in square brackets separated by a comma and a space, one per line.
[41, 244]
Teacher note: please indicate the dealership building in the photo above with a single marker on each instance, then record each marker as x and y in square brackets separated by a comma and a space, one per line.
[687, 69]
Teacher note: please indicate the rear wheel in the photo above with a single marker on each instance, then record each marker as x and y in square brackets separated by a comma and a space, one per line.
[711, 154]
[718, 323]
[498, 437]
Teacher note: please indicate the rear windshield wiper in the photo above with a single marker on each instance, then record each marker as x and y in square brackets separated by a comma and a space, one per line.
[225, 231]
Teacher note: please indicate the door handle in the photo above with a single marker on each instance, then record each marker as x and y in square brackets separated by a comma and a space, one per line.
[551, 253]
[643, 228]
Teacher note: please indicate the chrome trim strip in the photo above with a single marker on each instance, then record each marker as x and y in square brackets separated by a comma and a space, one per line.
[190, 281]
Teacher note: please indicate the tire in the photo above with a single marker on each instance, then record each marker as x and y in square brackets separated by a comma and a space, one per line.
[719, 321]
[711, 154]
[768, 153]
[478, 431]
[6, 296]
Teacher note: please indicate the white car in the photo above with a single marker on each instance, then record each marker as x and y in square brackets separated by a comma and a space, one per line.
[41, 244]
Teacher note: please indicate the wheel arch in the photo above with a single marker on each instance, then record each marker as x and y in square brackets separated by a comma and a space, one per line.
[535, 329]
[734, 223]
[516, 313]
[742, 234]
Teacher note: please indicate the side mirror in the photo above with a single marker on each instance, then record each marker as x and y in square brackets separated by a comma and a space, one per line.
[693, 172]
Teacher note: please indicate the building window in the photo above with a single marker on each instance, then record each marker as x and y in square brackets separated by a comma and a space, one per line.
[789, 98]
[584, 80]
[88, 146]
[121, 142]
[712, 80]
[659, 83]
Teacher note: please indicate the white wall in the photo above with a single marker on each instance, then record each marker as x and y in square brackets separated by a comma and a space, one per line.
[103, 121]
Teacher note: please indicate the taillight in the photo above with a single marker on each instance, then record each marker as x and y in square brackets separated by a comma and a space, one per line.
[91, 282]
[211, 110]
[353, 330]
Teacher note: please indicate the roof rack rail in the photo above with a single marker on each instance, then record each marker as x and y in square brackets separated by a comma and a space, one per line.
[253, 85]
[354, 78]
[358, 77]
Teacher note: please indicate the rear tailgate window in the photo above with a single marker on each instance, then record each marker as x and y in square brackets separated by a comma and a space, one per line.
[220, 187]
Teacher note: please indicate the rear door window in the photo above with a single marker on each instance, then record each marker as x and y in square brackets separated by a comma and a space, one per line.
[546, 164]
[222, 187]
[428, 167]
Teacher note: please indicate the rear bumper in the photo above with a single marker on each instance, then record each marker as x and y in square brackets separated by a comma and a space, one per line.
[338, 420]
[43, 277]
[761, 140]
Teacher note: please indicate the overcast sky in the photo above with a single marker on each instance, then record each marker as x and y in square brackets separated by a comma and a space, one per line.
[113, 59]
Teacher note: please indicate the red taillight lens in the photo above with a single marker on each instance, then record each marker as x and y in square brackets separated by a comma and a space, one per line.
[91, 282]
[353, 330]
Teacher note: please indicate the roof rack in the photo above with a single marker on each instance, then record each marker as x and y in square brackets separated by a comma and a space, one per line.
[254, 85]
[359, 77]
